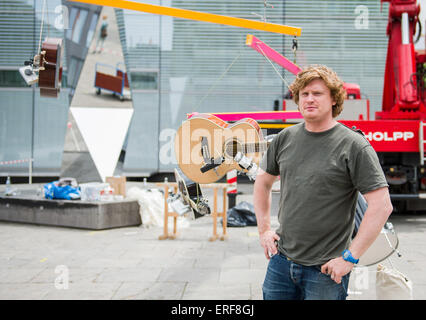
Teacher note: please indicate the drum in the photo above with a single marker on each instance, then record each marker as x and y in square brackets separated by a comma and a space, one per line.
[385, 244]
[382, 248]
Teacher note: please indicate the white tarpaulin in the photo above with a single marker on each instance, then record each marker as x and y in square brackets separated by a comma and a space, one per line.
[151, 202]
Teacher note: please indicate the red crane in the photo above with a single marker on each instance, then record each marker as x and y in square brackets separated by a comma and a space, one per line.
[404, 91]
[398, 131]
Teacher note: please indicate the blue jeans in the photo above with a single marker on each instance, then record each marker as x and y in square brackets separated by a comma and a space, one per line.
[287, 280]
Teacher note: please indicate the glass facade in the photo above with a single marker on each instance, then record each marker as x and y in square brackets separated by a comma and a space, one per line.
[207, 67]
[32, 126]
[178, 66]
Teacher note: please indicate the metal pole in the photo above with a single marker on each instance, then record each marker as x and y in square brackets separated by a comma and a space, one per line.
[33, 109]
[231, 178]
[30, 174]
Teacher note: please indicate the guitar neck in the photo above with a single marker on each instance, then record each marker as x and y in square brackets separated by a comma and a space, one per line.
[255, 147]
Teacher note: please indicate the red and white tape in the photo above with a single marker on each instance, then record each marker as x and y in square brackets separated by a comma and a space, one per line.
[15, 161]
[231, 178]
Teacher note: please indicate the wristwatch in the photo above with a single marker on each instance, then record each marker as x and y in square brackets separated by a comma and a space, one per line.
[347, 256]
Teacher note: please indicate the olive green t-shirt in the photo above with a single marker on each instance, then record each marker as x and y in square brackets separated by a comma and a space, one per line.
[321, 174]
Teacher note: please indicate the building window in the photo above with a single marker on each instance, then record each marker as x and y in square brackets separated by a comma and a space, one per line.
[11, 79]
[144, 80]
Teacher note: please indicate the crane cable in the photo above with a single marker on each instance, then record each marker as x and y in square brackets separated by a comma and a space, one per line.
[283, 79]
[294, 47]
[41, 26]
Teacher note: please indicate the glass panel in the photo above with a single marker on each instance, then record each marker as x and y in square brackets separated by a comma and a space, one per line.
[76, 22]
[78, 25]
[141, 145]
[73, 70]
[20, 29]
[72, 21]
[15, 128]
[11, 78]
[92, 28]
[50, 118]
[144, 80]
[207, 67]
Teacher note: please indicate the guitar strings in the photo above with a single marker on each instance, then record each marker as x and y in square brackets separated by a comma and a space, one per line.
[217, 80]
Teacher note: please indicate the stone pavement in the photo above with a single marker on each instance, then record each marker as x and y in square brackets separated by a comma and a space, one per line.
[131, 263]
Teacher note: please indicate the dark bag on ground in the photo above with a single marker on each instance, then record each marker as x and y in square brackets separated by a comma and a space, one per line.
[242, 215]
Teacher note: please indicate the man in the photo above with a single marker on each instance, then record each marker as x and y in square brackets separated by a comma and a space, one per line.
[102, 35]
[322, 166]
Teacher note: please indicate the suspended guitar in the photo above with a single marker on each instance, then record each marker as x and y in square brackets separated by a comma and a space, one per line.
[50, 73]
[45, 68]
[207, 147]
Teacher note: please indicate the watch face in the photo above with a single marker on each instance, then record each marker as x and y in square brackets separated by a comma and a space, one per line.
[346, 254]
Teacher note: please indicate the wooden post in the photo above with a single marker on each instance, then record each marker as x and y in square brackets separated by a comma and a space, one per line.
[224, 217]
[214, 215]
[168, 214]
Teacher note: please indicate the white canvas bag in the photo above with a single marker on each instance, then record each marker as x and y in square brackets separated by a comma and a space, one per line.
[392, 284]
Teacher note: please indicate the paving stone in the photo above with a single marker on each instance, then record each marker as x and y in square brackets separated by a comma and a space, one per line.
[150, 291]
[27, 291]
[74, 274]
[84, 291]
[131, 263]
[256, 291]
[128, 275]
[216, 291]
[199, 275]
[238, 275]
[13, 276]
[161, 262]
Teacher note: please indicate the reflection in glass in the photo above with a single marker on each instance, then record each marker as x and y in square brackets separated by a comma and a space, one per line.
[73, 70]
[144, 80]
[73, 14]
[92, 28]
[11, 78]
[77, 20]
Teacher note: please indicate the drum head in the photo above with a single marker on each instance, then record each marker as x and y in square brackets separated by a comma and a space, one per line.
[383, 247]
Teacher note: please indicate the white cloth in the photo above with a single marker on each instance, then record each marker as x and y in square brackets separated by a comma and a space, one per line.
[151, 203]
[392, 284]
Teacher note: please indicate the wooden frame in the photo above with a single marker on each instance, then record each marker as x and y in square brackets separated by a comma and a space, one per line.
[214, 214]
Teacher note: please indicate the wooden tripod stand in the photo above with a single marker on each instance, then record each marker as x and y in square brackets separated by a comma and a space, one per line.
[215, 213]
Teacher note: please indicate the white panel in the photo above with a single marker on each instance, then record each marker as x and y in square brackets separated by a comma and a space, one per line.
[103, 130]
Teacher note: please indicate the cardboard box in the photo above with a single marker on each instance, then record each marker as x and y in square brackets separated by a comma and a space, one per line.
[118, 184]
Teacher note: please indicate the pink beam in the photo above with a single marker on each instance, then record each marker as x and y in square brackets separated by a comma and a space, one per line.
[273, 55]
[256, 115]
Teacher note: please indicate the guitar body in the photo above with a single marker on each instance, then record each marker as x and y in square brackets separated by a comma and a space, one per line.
[220, 140]
[51, 72]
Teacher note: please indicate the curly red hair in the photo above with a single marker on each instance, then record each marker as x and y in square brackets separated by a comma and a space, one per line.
[331, 80]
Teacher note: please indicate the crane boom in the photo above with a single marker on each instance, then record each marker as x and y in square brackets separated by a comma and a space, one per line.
[196, 15]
